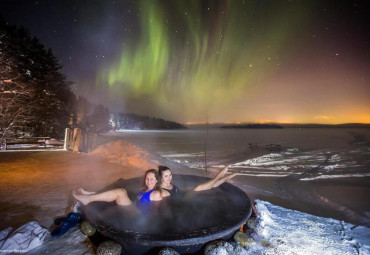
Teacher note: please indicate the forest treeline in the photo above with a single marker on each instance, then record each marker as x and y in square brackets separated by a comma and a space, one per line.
[133, 121]
[36, 99]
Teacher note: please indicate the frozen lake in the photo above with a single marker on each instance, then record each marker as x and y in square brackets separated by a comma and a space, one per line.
[324, 171]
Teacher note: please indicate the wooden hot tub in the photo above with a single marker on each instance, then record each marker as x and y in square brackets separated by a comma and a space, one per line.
[185, 222]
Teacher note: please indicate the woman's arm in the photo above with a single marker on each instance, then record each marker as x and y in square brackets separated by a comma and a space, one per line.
[156, 196]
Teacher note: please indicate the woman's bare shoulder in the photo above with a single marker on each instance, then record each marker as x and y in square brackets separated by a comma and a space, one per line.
[165, 193]
[156, 195]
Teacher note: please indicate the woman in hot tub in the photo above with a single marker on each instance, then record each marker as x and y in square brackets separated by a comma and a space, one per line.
[169, 189]
[150, 192]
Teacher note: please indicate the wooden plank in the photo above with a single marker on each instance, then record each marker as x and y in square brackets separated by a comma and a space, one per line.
[26, 140]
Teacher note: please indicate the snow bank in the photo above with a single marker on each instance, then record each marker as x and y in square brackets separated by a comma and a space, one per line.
[294, 232]
[25, 238]
[125, 154]
[74, 242]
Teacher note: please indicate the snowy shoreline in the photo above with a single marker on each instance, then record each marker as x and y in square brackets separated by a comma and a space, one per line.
[37, 186]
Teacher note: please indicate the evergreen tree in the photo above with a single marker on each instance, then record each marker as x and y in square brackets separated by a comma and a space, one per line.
[34, 95]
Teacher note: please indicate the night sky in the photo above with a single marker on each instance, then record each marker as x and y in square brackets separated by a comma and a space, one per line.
[234, 61]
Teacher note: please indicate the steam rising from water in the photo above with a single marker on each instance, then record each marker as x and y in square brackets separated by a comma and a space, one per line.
[187, 215]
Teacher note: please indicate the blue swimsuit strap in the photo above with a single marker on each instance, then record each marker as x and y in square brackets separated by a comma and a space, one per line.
[145, 196]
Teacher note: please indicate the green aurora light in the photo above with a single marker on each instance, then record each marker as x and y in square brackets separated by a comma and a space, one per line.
[196, 57]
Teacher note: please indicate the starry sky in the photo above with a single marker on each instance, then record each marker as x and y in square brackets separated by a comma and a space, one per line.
[229, 61]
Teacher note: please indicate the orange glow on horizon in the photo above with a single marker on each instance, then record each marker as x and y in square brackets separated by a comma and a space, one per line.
[366, 120]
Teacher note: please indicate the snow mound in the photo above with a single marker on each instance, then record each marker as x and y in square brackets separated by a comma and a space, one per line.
[294, 232]
[74, 242]
[125, 154]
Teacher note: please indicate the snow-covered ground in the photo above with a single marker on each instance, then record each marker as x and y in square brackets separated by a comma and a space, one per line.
[37, 186]
[287, 232]
[294, 232]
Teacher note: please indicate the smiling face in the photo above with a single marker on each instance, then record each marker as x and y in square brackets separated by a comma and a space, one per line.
[150, 180]
[166, 177]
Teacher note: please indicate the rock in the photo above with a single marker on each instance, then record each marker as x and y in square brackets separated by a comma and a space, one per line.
[252, 222]
[248, 231]
[240, 237]
[265, 244]
[109, 248]
[168, 251]
[250, 242]
[219, 248]
[238, 249]
[243, 239]
[87, 228]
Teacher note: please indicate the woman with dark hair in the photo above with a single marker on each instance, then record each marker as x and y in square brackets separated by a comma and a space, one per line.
[165, 177]
[168, 189]
[150, 192]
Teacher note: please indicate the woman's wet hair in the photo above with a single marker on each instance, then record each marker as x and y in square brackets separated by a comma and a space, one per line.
[156, 174]
[161, 169]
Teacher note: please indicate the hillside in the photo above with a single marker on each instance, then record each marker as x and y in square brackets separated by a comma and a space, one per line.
[138, 122]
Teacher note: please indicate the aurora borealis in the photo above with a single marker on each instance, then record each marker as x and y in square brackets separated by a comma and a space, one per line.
[234, 61]
[198, 55]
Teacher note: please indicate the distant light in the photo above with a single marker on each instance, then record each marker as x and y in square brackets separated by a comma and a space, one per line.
[7, 81]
